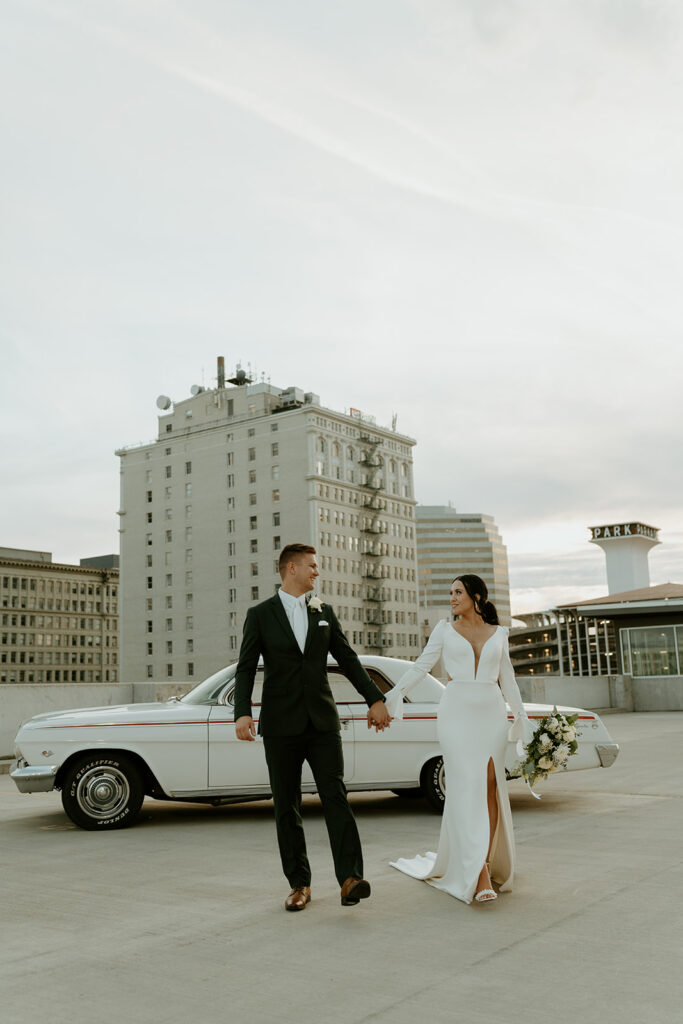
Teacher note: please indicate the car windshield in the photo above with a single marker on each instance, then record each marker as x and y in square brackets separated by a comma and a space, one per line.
[208, 691]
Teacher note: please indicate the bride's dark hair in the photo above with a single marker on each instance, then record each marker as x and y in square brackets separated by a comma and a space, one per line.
[479, 592]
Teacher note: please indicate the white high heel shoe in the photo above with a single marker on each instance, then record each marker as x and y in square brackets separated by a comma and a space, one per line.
[486, 895]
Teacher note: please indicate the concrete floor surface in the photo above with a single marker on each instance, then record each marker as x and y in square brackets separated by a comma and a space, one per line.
[180, 918]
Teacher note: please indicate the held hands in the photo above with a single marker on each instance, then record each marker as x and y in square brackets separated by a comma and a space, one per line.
[379, 716]
[244, 728]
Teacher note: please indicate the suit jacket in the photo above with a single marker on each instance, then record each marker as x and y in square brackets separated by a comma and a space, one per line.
[295, 685]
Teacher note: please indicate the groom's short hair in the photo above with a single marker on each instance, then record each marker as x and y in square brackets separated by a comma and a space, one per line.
[292, 553]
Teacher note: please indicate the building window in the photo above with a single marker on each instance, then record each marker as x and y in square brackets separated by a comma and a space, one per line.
[254, 568]
[169, 536]
[251, 455]
[149, 495]
[169, 671]
[149, 538]
[188, 600]
[652, 650]
[150, 626]
[169, 647]
[169, 428]
[253, 545]
[275, 448]
[150, 649]
[189, 645]
[167, 492]
[188, 578]
[251, 432]
[149, 582]
[149, 560]
[148, 476]
[189, 622]
[276, 543]
[149, 517]
[190, 669]
[252, 476]
[188, 467]
[274, 427]
[150, 672]
[188, 511]
[252, 499]
[276, 494]
[188, 554]
[276, 518]
[169, 579]
[231, 479]
[169, 625]
[254, 593]
[275, 472]
[169, 601]
[230, 458]
[253, 522]
[169, 472]
[188, 534]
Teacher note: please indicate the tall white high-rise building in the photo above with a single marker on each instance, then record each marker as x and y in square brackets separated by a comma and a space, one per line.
[450, 542]
[236, 473]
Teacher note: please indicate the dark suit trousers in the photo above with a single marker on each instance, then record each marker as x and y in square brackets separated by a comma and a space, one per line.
[285, 756]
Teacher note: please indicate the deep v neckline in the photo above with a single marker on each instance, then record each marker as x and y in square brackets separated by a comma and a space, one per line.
[469, 643]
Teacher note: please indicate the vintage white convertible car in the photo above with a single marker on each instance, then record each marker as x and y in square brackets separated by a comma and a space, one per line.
[105, 760]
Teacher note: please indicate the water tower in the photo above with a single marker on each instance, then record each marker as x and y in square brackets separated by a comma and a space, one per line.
[626, 547]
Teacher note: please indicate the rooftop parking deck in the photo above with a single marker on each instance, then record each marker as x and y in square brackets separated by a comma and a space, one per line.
[180, 918]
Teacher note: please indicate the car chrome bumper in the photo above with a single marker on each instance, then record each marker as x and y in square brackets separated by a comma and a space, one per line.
[34, 778]
[607, 752]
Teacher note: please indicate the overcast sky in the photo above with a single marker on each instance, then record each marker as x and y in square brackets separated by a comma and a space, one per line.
[465, 212]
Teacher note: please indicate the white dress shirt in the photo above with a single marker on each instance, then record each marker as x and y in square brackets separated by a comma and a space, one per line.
[297, 613]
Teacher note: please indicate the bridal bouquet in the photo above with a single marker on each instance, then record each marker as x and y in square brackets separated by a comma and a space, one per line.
[551, 746]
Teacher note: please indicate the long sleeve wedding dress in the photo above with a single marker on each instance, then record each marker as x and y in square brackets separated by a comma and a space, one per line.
[472, 729]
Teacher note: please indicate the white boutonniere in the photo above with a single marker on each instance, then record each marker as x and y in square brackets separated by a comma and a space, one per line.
[315, 604]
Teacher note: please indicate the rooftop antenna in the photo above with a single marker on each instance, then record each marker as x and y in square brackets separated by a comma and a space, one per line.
[394, 418]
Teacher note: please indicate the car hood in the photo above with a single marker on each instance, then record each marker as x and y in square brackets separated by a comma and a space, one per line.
[117, 714]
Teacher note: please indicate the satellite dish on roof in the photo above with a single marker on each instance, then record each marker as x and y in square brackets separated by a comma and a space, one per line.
[164, 402]
[196, 389]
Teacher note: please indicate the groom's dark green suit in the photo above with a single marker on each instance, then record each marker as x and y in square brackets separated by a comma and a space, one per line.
[299, 722]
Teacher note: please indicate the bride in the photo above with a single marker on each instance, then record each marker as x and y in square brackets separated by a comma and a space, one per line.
[476, 844]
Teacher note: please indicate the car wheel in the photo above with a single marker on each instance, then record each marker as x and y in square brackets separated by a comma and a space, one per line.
[433, 783]
[102, 793]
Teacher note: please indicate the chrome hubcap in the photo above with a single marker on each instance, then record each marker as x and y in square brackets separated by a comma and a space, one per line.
[103, 792]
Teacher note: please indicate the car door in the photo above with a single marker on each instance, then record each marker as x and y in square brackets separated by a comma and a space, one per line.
[236, 766]
[397, 754]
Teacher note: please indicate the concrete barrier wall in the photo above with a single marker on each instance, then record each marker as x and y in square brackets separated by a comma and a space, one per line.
[590, 692]
[19, 701]
[652, 694]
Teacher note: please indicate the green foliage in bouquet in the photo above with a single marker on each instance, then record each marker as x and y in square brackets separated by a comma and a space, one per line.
[551, 746]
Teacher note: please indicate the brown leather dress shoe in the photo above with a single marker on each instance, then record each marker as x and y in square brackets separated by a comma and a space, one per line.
[353, 891]
[298, 898]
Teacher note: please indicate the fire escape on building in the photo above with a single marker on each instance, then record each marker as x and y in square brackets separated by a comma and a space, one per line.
[374, 593]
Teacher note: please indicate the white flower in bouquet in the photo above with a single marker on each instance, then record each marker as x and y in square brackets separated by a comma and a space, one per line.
[544, 741]
[561, 755]
[552, 726]
[569, 734]
[545, 763]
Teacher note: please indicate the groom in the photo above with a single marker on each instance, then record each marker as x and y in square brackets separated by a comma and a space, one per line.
[299, 720]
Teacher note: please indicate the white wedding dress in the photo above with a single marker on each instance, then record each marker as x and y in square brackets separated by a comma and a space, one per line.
[472, 728]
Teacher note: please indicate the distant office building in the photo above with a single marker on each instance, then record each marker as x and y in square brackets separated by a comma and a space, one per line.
[236, 473]
[450, 542]
[59, 622]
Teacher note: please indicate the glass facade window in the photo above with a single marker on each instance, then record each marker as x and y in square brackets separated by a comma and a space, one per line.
[653, 650]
